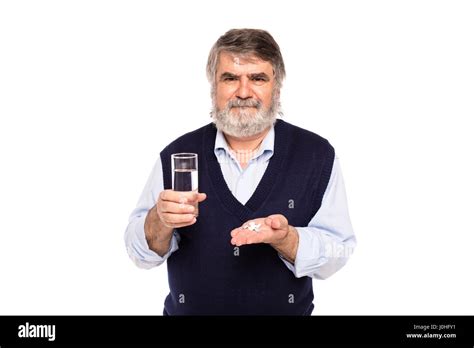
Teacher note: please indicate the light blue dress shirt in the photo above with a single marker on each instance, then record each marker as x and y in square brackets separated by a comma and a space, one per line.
[324, 245]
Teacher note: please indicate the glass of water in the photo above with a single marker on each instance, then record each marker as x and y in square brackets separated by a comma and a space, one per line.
[184, 173]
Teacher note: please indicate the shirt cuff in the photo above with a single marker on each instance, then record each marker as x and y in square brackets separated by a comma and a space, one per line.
[309, 255]
[139, 251]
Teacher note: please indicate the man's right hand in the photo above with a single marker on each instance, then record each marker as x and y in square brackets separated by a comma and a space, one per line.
[173, 209]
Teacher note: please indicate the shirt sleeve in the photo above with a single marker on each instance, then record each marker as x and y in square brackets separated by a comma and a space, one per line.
[135, 242]
[327, 242]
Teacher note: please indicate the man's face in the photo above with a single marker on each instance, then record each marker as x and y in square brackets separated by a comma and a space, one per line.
[245, 97]
[245, 79]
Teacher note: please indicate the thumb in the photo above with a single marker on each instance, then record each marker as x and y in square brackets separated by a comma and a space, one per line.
[277, 221]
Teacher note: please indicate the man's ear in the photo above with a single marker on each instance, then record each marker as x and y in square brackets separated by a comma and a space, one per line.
[276, 92]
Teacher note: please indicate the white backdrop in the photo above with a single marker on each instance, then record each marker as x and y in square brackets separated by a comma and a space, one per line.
[90, 92]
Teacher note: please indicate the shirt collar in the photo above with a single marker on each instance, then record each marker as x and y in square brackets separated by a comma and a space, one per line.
[266, 147]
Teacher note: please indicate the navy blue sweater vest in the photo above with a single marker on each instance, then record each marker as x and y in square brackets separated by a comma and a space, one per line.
[207, 274]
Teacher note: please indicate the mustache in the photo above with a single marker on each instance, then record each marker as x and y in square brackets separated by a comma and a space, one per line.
[244, 103]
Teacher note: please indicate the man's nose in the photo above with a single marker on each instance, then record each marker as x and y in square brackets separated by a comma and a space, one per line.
[244, 91]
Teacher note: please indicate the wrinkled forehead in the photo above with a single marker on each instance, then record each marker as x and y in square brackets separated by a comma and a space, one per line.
[242, 61]
[242, 58]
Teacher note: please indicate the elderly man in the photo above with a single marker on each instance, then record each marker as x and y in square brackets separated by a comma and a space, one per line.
[272, 206]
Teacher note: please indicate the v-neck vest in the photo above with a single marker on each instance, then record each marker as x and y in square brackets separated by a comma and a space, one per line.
[210, 276]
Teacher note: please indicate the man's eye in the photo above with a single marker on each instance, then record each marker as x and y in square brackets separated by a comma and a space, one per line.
[230, 79]
[259, 79]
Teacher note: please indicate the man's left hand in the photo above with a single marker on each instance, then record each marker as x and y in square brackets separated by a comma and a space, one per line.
[272, 230]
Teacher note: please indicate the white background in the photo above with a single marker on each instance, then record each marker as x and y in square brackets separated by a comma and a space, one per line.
[91, 91]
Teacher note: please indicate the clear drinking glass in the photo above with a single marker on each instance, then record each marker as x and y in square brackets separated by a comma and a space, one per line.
[184, 173]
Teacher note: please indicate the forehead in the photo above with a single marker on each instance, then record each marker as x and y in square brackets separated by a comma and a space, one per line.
[238, 64]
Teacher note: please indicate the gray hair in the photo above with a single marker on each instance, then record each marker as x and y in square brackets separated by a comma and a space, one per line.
[247, 43]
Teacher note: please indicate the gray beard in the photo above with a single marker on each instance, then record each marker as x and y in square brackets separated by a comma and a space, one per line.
[245, 122]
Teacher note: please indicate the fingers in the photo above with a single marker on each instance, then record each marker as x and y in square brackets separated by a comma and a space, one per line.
[201, 197]
[179, 202]
[177, 220]
[243, 237]
[234, 233]
[176, 209]
[182, 196]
